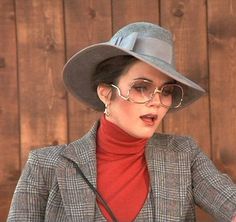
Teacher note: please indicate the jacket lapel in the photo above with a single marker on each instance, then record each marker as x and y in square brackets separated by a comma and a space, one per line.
[78, 199]
[170, 176]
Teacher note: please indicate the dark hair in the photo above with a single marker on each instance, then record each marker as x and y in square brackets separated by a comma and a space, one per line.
[109, 70]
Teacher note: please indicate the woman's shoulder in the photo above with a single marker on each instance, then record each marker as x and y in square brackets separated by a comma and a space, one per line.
[48, 156]
[172, 142]
[52, 156]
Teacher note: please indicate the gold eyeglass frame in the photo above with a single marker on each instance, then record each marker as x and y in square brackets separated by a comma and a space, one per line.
[157, 90]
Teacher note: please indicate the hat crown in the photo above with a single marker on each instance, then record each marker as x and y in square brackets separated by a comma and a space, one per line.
[146, 39]
[145, 29]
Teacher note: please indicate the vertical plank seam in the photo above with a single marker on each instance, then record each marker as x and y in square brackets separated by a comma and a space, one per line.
[18, 88]
[112, 17]
[65, 59]
[209, 84]
[159, 10]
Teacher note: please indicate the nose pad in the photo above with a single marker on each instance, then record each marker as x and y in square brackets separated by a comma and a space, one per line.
[155, 100]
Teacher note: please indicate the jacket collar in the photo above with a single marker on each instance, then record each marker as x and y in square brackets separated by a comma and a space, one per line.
[83, 151]
[79, 201]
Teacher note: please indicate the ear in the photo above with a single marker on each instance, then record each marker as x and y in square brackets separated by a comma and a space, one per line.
[104, 93]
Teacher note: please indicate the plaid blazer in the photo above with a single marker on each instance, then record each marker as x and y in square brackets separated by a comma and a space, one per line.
[50, 188]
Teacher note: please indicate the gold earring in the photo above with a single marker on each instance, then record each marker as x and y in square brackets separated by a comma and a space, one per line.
[107, 111]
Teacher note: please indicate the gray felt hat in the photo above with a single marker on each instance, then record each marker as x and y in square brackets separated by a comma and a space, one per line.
[147, 42]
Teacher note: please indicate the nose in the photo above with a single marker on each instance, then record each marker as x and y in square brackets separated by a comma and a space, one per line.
[155, 100]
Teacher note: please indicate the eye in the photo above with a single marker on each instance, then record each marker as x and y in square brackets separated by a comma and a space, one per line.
[168, 90]
[140, 87]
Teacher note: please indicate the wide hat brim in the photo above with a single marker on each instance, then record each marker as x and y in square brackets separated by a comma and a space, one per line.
[78, 70]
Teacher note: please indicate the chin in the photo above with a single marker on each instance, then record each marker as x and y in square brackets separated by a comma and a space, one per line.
[145, 135]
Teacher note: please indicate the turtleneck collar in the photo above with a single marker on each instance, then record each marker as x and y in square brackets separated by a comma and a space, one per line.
[114, 140]
[121, 167]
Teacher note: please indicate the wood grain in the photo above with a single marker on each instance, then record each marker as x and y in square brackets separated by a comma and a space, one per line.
[187, 21]
[40, 60]
[37, 37]
[125, 12]
[87, 22]
[222, 54]
[9, 115]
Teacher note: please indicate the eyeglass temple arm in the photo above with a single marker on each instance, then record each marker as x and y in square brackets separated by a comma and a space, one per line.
[119, 92]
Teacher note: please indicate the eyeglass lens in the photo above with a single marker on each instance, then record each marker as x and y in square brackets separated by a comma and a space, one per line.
[142, 91]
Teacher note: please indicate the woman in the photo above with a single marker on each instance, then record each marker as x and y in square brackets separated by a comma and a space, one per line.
[121, 170]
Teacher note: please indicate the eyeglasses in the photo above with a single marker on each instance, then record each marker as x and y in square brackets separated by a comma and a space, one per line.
[143, 91]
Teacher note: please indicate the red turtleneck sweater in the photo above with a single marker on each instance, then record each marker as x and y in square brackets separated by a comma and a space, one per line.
[122, 175]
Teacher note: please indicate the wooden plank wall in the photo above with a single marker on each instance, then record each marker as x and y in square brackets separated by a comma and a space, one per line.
[37, 37]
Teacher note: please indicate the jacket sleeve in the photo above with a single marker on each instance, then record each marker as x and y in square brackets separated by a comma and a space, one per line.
[213, 191]
[30, 196]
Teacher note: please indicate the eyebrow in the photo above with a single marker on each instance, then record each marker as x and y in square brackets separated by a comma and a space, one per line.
[173, 81]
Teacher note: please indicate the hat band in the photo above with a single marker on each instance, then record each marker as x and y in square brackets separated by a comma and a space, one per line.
[145, 46]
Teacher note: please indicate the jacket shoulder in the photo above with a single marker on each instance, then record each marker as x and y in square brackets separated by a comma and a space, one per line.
[176, 143]
[46, 156]
[52, 156]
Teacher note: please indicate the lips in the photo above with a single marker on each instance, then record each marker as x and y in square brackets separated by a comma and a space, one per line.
[149, 119]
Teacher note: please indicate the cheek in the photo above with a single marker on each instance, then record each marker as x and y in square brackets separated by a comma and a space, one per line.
[162, 113]
[126, 109]
[123, 111]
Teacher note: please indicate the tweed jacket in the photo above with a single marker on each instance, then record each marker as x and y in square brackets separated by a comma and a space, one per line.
[51, 189]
